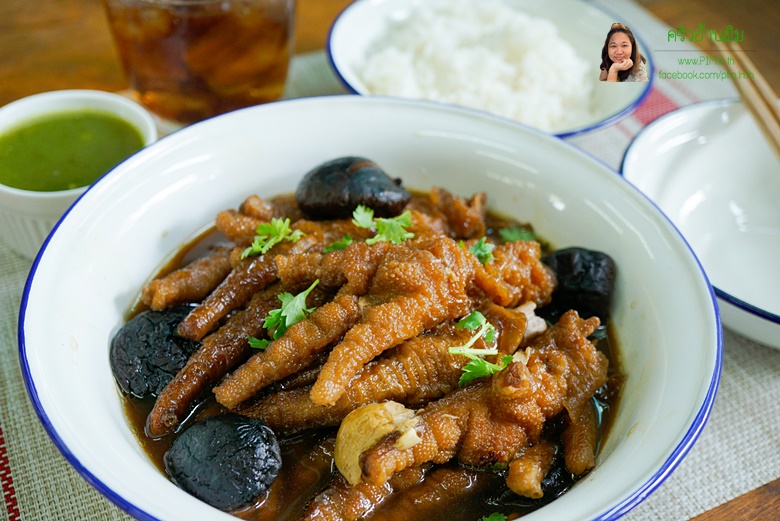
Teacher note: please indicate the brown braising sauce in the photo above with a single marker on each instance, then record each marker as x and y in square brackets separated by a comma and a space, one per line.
[307, 459]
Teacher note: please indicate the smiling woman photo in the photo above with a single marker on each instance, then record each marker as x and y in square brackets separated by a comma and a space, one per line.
[620, 58]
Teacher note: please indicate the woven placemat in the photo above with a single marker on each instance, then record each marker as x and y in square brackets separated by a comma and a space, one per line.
[38, 484]
[738, 451]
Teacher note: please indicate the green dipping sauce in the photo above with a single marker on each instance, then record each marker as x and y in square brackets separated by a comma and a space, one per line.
[65, 150]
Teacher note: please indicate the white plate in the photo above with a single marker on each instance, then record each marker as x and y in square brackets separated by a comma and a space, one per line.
[92, 266]
[581, 23]
[709, 168]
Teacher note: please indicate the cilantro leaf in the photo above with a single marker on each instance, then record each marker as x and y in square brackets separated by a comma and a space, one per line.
[293, 310]
[495, 516]
[484, 329]
[479, 367]
[472, 321]
[483, 251]
[391, 229]
[515, 233]
[258, 343]
[339, 245]
[490, 335]
[274, 320]
[269, 235]
[363, 217]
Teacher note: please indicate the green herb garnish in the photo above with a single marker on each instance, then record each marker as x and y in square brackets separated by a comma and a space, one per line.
[515, 233]
[269, 235]
[258, 343]
[482, 250]
[363, 217]
[495, 516]
[387, 229]
[293, 310]
[339, 245]
[478, 367]
[477, 321]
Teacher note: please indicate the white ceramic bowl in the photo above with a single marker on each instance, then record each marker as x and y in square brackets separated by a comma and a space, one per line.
[583, 25]
[26, 216]
[709, 168]
[128, 222]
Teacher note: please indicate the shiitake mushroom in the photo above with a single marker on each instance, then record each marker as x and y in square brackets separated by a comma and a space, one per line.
[228, 461]
[335, 188]
[586, 279]
[146, 353]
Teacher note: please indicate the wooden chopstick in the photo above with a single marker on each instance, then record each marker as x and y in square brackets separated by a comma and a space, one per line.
[758, 96]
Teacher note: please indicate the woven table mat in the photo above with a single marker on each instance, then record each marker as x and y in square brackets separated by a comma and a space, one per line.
[738, 451]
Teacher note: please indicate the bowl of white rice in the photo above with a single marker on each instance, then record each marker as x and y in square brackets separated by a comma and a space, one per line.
[525, 60]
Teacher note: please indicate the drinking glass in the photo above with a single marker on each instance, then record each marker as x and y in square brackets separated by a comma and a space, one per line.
[188, 60]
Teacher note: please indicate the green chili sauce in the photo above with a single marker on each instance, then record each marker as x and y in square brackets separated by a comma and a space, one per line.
[65, 150]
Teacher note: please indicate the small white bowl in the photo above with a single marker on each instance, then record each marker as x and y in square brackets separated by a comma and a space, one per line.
[580, 23]
[128, 222]
[26, 216]
[710, 169]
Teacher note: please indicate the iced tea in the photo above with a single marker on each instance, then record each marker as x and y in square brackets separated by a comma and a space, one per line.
[189, 60]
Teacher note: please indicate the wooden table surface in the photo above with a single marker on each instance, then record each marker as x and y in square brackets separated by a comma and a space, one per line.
[58, 44]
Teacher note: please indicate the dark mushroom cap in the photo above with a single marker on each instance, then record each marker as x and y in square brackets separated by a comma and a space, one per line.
[335, 188]
[228, 461]
[586, 279]
[146, 353]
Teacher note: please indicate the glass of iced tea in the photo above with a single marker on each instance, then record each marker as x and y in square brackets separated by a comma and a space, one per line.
[188, 60]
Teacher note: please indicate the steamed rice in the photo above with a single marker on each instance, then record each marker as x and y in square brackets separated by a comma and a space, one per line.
[486, 55]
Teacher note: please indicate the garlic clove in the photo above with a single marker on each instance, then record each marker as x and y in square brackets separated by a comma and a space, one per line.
[363, 428]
